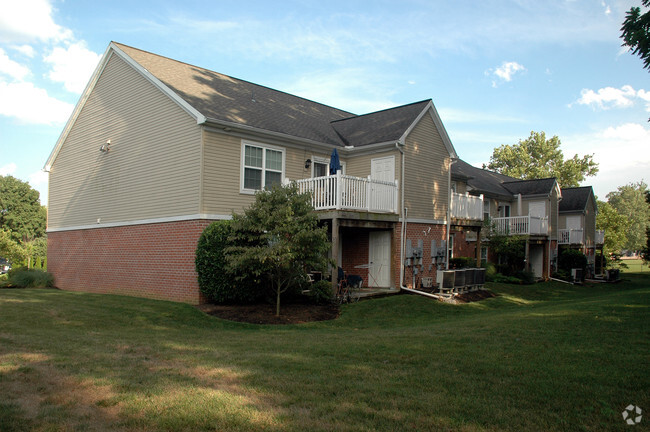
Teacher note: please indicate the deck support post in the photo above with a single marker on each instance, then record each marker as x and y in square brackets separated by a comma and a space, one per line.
[478, 247]
[335, 253]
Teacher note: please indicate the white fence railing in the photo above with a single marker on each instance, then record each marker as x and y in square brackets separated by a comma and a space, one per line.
[600, 237]
[571, 236]
[342, 192]
[521, 225]
[464, 206]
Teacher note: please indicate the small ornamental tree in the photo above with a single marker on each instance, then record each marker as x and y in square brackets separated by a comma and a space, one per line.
[278, 239]
[215, 280]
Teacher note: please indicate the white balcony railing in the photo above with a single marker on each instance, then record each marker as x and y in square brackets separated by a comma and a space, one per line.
[571, 236]
[521, 225]
[600, 237]
[464, 206]
[342, 192]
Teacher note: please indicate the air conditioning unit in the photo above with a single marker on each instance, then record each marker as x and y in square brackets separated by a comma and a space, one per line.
[459, 282]
[445, 280]
[479, 278]
[577, 275]
[470, 282]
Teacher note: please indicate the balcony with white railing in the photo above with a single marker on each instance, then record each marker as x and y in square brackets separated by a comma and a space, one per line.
[600, 237]
[464, 206]
[571, 236]
[342, 192]
[521, 225]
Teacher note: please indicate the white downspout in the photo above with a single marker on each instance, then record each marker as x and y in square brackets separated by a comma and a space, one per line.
[403, 212]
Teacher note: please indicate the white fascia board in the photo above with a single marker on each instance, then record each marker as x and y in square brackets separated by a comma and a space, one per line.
[201, 216]
[113, 49]
[430, 108]
[200, 118]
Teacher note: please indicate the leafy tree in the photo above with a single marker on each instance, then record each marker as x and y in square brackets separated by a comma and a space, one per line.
[10, 249]
[277, 238]
[537, 157]
[615, 227]
[636, 32]
[629, 201]
[21, 213]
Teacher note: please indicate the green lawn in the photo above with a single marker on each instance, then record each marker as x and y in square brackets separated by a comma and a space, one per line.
[546, 357]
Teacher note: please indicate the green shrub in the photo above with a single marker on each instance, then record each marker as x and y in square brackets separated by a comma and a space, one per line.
[526, 277]
[570, 259]
[490, 271]
[29, 278]
[215, 281]
[321, 292]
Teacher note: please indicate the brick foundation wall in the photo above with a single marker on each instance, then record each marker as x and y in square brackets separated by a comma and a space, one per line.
[154, 261]
[415, 232]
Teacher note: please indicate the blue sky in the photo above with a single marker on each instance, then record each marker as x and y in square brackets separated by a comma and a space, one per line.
[496, 70]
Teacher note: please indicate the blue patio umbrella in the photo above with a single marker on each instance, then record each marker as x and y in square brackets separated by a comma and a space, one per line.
[335, 163]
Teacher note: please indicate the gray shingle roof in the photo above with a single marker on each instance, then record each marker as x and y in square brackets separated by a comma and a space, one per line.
[575, 199]
[381, 126]
[530, 187]
[482, 181]
[223, 98]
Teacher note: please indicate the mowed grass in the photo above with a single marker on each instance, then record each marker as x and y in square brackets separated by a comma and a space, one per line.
[546, 357]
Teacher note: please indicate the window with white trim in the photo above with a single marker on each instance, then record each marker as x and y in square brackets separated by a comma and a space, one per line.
[262, 166]
[486, 209]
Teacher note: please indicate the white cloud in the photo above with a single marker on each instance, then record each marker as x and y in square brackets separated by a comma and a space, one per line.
[610, 97]
[29, 20]
[8, 169]
[621, 151]
[72, 66]
[505, 72]
[39, 181]
[29, 104]
[26, 50]
[11, 68]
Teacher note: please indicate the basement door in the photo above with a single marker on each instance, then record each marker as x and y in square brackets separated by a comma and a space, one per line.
[379, 254]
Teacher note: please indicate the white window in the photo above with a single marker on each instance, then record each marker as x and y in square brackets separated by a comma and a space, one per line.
[504, 210]
[262, 166]
[484, 254]
[454, 186]
[486, 209]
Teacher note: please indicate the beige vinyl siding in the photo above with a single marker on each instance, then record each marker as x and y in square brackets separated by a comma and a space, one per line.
[221, 193]
[152, 169]
[554, 214]
[426, 179]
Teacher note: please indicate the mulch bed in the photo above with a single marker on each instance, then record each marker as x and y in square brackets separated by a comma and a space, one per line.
[291, 313]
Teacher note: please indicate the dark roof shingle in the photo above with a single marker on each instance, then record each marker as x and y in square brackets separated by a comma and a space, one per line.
[575, 199]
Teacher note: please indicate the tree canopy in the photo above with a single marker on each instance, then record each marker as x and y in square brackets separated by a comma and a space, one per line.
[636, 32]
[21, 213]
[630, 202]
[614, 225]
[277, 238]
[537, 157]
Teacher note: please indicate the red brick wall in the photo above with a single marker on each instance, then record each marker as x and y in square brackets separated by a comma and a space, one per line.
[154, 261]
[355, 252]
[415, 232]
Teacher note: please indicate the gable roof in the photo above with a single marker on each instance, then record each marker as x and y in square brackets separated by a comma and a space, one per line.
[227, 102]
[497, 185]
[575, 199]
[379, 126]
[531, 187]
[481, 180]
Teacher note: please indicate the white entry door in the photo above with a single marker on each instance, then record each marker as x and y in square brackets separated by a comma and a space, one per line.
[537, 209]
[379, 255]
[383, 169]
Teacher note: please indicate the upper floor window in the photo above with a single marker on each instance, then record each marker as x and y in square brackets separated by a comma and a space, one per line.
[262, 166]
[454, 186]
[486, 209]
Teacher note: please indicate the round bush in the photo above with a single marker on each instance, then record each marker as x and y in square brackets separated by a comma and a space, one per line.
[570, 259]
[215, 281]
